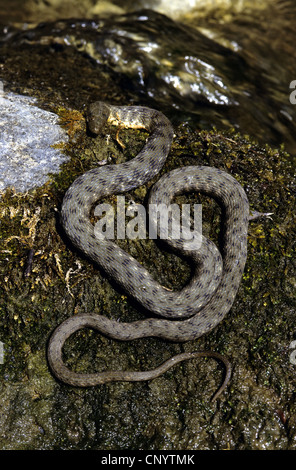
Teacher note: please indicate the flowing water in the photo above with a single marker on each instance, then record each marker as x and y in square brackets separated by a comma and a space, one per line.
[231, 65]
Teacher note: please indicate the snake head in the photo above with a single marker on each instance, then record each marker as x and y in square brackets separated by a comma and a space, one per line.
[97, 115]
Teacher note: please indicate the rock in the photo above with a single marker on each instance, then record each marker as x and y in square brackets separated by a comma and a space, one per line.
[28, 135]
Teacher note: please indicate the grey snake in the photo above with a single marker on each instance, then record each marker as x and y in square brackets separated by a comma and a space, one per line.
[179, 316]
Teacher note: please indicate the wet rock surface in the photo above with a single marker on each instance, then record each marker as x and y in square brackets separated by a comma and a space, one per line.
[155, 60]
[29, 143]
[66, 65]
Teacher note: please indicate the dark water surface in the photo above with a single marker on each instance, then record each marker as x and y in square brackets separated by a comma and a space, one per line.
[224, 68]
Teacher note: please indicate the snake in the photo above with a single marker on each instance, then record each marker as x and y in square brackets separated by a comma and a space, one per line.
[179, 315]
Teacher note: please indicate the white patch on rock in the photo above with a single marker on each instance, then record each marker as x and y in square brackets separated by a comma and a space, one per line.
[27, 134]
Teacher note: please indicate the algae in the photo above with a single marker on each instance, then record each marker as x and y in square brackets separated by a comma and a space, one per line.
[173, 411]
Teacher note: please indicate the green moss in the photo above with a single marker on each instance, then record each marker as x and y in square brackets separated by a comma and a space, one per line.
[61, 282]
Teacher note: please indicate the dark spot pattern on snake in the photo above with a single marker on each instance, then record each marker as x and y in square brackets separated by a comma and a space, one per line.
[177, 316]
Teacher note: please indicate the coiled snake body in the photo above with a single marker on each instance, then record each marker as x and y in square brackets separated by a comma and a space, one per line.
[199, 306]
